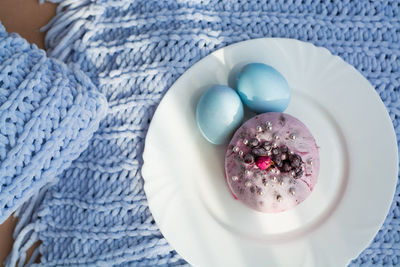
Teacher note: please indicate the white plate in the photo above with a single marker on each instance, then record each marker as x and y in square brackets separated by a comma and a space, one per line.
[184, 174]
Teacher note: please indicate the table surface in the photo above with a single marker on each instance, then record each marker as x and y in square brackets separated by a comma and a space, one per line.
[25, 17]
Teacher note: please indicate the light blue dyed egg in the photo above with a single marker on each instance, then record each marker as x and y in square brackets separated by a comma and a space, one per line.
[263, 89]
[219, 113]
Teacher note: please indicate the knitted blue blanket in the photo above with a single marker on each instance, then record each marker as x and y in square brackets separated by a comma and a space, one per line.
[48, 113]
[133, 51]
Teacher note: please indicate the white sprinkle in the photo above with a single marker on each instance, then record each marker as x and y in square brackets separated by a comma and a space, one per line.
[268, 123]
[293, 173]
[240, 153]
[274, 178]
[269, 128]
[260, 192]
[292, 136]
[259, 128]
[235, 149]
[235, 178]
[292, 192]
[275, 136]
[245, 141]
[275, 145]
[279, 198]
[269, 153]
[281, 182]
[247, 172]
[247, 184]
[310, 161]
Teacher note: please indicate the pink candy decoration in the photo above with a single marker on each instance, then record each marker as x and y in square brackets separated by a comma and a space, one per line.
[263, 162]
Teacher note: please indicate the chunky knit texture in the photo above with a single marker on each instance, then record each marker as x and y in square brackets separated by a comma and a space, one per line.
[48, 113]
[133, 51]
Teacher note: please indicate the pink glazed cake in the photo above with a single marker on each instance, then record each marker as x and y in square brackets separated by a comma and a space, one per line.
[272, 162]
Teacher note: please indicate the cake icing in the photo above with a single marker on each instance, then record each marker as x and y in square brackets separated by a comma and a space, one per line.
[272, 162]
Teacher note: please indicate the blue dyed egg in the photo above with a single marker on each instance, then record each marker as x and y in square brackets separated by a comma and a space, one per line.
[263, 89]
[219, 113]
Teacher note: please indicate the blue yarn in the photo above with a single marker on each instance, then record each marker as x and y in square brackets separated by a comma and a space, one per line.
[133, 51]
[48, 113]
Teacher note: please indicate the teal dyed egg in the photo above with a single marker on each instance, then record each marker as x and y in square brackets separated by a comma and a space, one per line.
[263, 89]
[219, 113]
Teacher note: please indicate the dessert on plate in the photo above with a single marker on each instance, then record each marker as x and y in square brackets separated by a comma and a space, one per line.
[272, 162]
